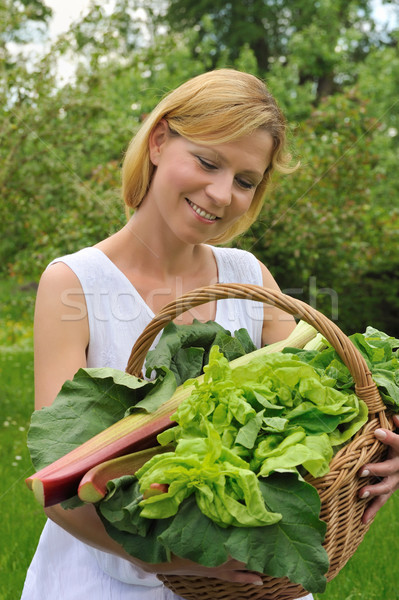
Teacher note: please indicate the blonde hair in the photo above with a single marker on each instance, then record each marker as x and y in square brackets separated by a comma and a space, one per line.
[213, 108]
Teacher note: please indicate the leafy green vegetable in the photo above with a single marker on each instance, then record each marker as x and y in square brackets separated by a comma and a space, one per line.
[226, 490]
[241, 405]
[381, 353]
[243, 440]
[291, 547]
[184, 349]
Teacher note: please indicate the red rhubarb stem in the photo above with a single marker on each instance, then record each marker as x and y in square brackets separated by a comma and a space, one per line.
[59, 480]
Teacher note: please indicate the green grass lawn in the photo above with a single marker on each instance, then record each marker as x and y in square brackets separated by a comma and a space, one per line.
[371, 574]
[22, 519]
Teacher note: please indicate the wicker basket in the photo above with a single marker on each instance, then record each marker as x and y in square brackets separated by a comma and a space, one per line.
[341, 508]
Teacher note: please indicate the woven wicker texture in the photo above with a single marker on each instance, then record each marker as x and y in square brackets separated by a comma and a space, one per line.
[341, 508]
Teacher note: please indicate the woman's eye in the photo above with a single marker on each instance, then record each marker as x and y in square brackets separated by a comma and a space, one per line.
[247, 185]
[243, 183]
[205, 164]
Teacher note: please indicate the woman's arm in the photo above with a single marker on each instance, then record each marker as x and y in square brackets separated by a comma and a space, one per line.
[84, 524]
[61, 332]
[61, 340]
[277, 324]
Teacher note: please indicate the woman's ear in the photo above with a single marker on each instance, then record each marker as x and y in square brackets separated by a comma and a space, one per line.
[157, 139]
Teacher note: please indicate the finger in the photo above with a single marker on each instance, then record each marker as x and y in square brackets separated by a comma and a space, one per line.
[382, 469]
[386, 486]
[237, 572]
[231, 570]
[245, 577]
[373, 508]
[233, 563]
[388, 438]
[227, 574]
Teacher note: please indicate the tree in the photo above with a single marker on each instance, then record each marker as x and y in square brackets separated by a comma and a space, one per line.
[323, 39]
[17, 18]
[62, 145]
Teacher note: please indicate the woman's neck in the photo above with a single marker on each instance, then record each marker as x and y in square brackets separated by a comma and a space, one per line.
[139, 247]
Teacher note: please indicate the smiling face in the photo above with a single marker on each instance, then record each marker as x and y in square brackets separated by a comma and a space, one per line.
[198, 191]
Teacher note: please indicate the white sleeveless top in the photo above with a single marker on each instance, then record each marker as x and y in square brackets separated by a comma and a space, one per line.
[63, 567]
[118, 314]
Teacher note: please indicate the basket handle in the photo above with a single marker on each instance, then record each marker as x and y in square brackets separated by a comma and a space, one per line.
[365, 387]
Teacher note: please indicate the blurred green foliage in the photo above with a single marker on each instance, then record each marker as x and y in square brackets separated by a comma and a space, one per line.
[328, 232]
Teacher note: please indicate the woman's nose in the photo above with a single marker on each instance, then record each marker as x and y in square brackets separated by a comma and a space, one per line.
[220, 189]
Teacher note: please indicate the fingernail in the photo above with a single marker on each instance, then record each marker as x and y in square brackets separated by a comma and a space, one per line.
[365, 494]
[365, 521]
[365, 473]
[380, 434]
[258, 582]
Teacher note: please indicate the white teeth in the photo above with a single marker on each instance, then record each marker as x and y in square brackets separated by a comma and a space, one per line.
[201, 212]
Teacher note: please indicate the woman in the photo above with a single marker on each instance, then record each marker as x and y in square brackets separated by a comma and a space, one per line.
[196, 174]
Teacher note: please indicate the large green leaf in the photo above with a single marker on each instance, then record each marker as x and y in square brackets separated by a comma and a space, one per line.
[292, 547]
[184, 349]
[88, 404]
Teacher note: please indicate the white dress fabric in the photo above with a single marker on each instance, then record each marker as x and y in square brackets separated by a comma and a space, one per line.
[64, 568]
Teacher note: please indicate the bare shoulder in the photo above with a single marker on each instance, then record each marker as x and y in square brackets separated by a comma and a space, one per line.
[58, 275]
[60, 289]
[268, 279]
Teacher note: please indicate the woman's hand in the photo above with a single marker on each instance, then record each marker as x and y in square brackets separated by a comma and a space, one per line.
[387, 471]
[231, 570]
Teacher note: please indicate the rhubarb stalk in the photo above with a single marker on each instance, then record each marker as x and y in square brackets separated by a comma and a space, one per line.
[93, 486]
[59, 480]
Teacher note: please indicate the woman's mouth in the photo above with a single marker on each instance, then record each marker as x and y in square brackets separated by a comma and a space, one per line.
[201, 212]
